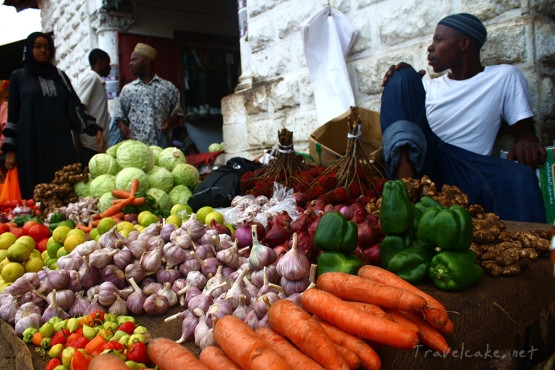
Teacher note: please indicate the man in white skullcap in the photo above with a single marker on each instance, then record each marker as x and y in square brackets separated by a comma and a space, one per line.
[445, 127]
[148, 107]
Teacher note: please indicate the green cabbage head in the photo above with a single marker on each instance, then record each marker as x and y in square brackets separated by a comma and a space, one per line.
[102, 184]
[133, 153]
[126, 176]
[161, 178]
[185, 174]
[180, 194]
[102, 163]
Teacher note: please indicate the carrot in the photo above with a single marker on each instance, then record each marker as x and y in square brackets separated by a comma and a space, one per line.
[336, 312]
[399, 318]
[134, 187]
[435, 313]
[107, 361]
[370, 309]
[116, 208]
[215, 359]
[369, 359]
[350, 357]
[136, 201]
[427, 334]
[83, 227]
[293, 322]
[166, 354]
[291, 354]
[122, 194]
[355, 288]
[241, 344]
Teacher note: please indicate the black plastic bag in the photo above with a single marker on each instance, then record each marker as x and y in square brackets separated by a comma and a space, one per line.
[219, 188]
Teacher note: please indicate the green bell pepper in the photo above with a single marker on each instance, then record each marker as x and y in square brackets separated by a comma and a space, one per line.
[446, 228]
[427, 202]
[335, 234]
[391, 245]
[396, 209]
[337, 262]
[455, 270]
[412, 263]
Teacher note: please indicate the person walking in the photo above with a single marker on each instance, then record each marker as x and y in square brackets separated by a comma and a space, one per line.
[92, 92]
[148, 107]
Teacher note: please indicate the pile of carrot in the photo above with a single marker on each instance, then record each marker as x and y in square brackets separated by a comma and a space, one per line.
[336, 326]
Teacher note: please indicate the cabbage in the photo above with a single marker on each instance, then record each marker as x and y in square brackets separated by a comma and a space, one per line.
[161, 178]
[102, 184]
[105, 201]
[102, 163]
[81, 189]
[133, 153]
[214, 147]
[156, 150]
[126, 176]
[163, 200]
[180, 194]
[185, 174]
[111, 151]
[170, 157]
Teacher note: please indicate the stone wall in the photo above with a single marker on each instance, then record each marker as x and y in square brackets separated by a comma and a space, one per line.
[275, 90]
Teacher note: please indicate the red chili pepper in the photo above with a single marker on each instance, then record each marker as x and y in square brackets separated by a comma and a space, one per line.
[79, 342]
[79, 361]
[53, 363]
[114, 346]
[98, 316]
[138, 353]
[60, 337]
[127, 327]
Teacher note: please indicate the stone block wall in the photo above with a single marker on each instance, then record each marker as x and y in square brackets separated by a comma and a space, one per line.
[276, 91]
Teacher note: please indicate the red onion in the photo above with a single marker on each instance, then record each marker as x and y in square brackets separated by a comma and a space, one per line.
[368, 233]
[277, 235]
[352, 209]
[303, 221]
[221, 229]
[243, 234]
[300, 198]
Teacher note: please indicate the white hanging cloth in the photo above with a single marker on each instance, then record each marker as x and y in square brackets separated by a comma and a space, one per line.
[327, 39]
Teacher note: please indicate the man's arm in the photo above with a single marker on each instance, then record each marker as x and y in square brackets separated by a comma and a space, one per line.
[527, 149]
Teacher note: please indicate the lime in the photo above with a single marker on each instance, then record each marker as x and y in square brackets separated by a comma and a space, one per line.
[181, 209]
[18, 252]
[124, 225]
[78, 232]
[3, 254]
[7, 239]
[146, 218]
[93, 234]
[71, 242]
[12, 271]
[27, 240]
[202, 212]
[61, 252]
[33, 264]
[60, 233]
[105, 225]
[174, 219]
[215, 215]
[52, 248]
[3, 263]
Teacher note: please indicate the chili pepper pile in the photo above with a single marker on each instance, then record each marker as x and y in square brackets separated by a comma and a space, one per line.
[75, 341]
[427, 240]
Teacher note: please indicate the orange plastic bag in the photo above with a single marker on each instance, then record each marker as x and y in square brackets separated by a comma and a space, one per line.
[10, 188]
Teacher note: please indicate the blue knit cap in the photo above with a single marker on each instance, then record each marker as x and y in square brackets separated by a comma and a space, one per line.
[468, 24]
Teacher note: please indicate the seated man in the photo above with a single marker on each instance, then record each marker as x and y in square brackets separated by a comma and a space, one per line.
[446, 127]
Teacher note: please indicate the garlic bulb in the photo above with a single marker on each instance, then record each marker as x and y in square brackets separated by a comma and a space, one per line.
[260, 255]
[294, 264]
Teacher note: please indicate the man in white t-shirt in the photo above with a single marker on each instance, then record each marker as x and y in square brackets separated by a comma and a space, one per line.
[92, 92]
[446, 127]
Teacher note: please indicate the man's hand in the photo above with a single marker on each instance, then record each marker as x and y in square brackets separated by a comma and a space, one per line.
[397, 67]
[124, 130]
[99, 145]
[527, 149]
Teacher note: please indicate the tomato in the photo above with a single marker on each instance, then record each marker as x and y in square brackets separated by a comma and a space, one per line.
[38, 231]
[27, 225]
[4, 227]
[41, 245]
[18, 231]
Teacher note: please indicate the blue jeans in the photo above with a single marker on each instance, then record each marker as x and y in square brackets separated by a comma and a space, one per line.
[501, 186]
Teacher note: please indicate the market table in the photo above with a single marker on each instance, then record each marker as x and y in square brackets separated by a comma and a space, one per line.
[501, 323]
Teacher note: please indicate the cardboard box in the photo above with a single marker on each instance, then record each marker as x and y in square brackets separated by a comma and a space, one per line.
[547, 184]
[329, 142]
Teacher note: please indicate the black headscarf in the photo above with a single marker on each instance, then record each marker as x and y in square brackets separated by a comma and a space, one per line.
[44, 70]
